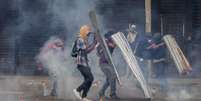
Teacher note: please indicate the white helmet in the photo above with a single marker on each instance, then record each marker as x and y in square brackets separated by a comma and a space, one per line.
[133, 26]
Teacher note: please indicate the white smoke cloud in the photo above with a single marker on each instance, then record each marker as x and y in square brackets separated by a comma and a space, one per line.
[60, 65]
[180, 95]
[72, 14]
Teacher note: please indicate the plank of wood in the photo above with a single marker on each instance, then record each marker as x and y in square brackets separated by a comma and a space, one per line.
[178, 56]
[124, 46]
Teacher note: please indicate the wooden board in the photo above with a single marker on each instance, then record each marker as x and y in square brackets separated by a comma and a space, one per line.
[131, 60]
[177, 55]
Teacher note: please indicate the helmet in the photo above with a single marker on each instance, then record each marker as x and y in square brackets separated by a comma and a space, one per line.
[109, 34]
[84, 31]
[133, 26]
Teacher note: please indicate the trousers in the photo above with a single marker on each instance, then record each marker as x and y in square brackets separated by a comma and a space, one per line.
[160, 69]
[110, 79]
[88, 80]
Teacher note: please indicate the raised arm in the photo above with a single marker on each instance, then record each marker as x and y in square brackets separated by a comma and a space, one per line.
[91, 47]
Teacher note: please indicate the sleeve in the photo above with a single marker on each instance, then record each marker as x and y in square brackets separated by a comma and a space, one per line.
[99, 50]
[80, 44]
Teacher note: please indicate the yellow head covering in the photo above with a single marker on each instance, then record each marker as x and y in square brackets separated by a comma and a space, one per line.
[84, 31]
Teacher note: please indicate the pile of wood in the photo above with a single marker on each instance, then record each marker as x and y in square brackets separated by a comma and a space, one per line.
[124, 46]
[180, 60]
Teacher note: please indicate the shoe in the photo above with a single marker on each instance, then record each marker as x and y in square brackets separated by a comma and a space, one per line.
[101, 97]
[53, 94]
[77, 94]
[114, 97]
[100, 94]
[86, 99]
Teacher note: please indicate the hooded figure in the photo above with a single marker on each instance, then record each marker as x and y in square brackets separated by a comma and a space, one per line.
[84, 31]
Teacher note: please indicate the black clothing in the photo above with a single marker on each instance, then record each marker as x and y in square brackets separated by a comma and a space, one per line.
[88, 80]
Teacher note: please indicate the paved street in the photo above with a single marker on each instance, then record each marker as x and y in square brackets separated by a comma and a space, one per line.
[29, 88]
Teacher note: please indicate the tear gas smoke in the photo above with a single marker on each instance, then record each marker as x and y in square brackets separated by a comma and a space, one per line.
[60, 67]
[72, 17]
[179, 95]
[47, 17]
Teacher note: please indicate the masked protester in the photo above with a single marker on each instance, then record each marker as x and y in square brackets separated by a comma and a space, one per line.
[107, 68]
[131, 33]
[83, 48]
[139, 43]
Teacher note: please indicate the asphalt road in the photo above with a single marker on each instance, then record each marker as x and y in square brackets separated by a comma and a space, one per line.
[30, 88]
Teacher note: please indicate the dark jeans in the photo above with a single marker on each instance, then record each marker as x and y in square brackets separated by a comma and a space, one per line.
[110, 79]
[160, 69]
[88, 80]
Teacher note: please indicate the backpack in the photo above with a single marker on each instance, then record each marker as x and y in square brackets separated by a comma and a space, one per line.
[74, 51]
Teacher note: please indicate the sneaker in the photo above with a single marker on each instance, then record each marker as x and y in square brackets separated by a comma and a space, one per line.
[53, 93]
[114, 97]
[100, 94]
[86, 99]
[77, 94]
[101, 97]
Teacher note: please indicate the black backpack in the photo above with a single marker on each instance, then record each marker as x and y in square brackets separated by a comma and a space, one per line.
[74, 51]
